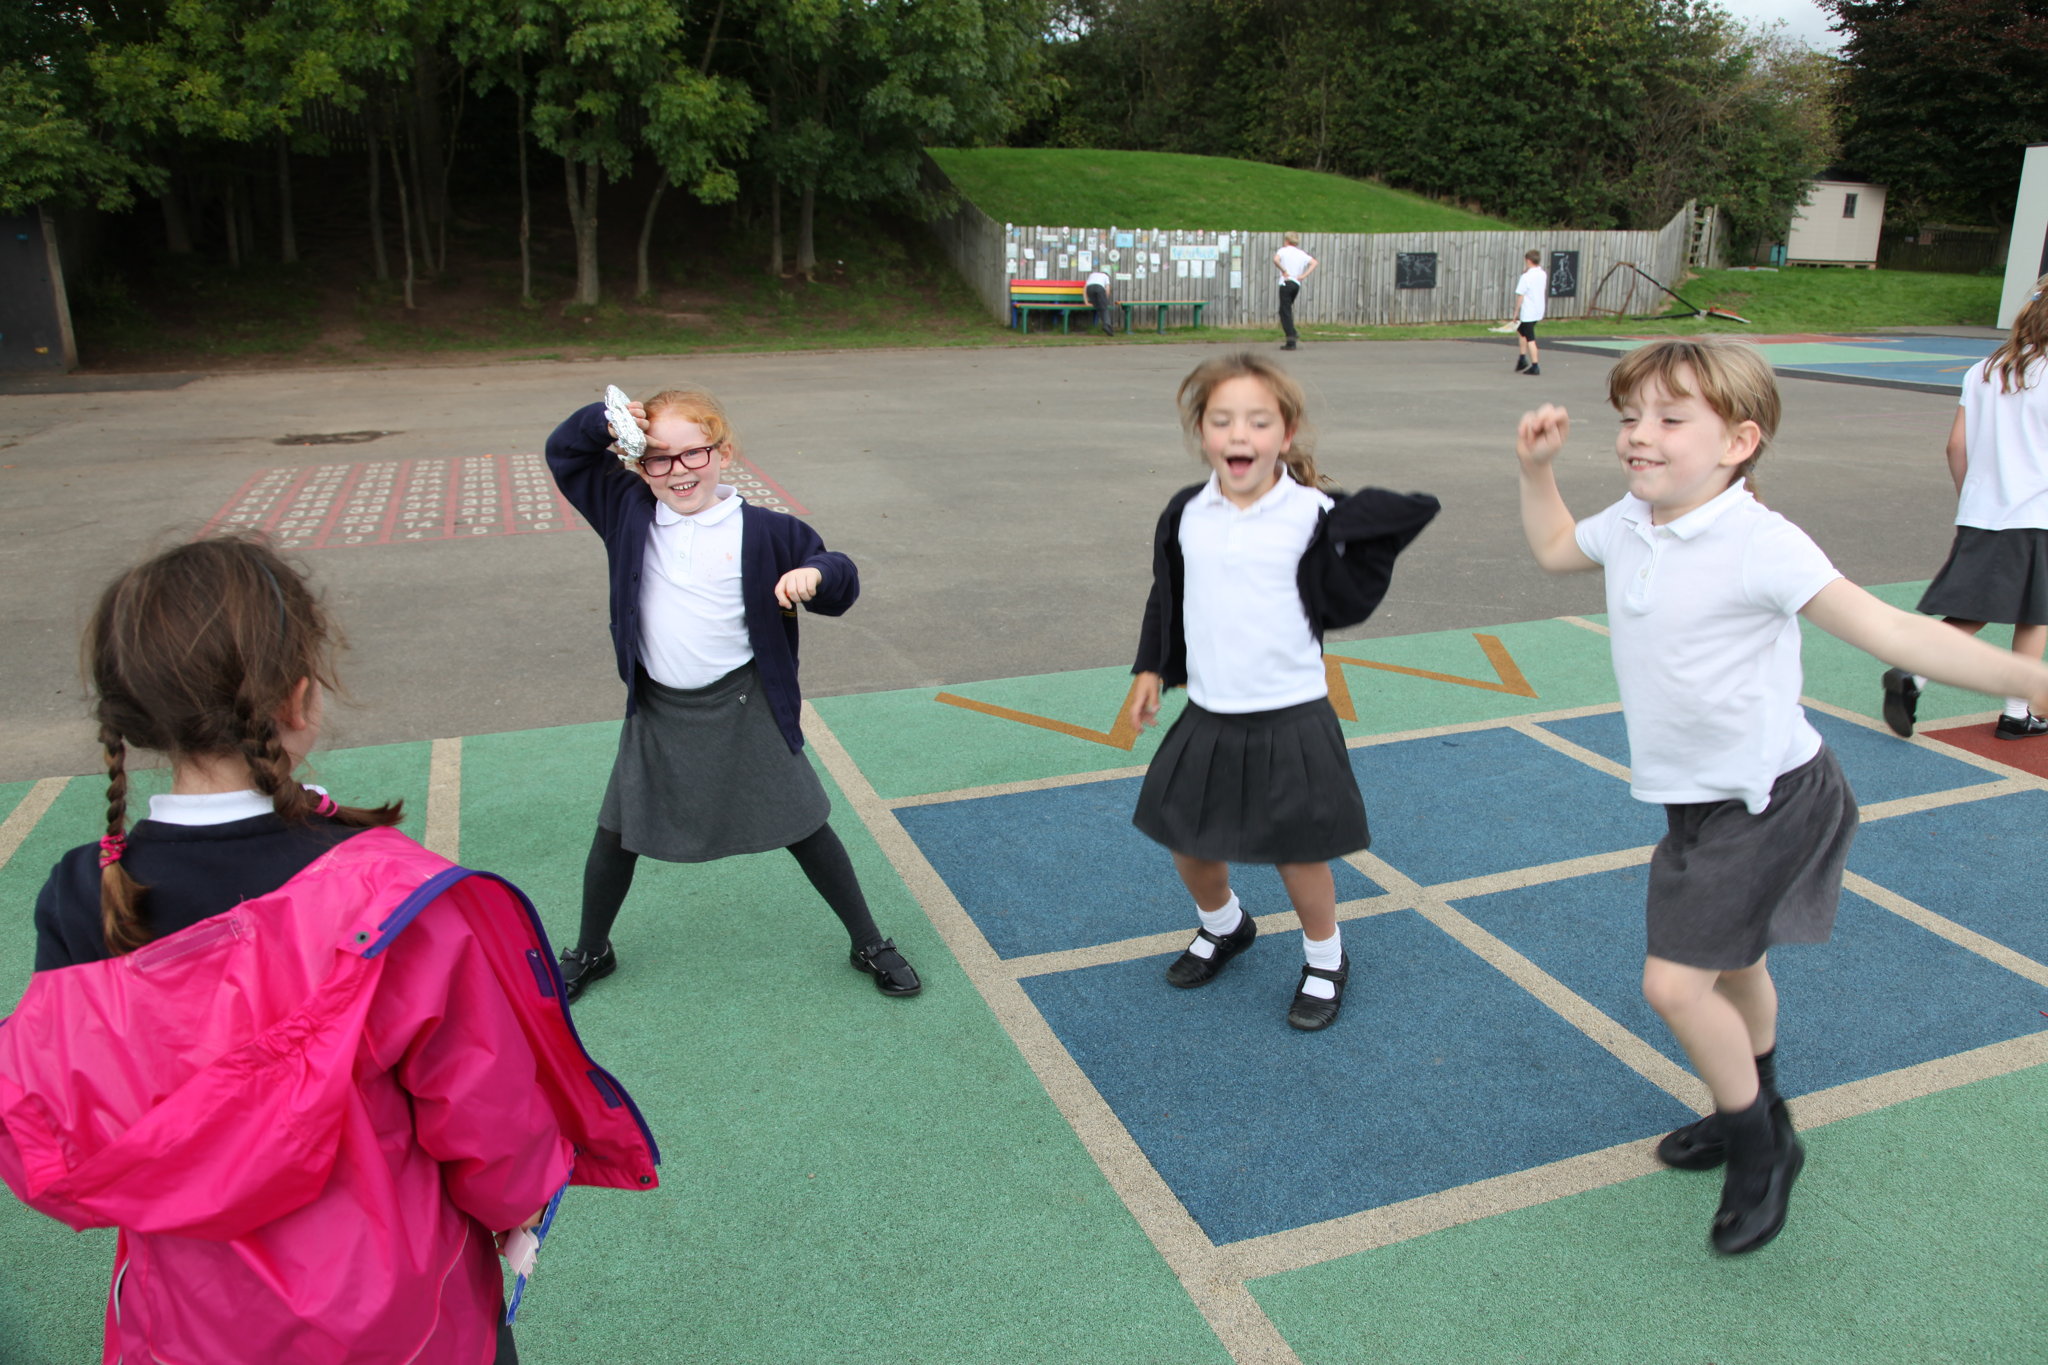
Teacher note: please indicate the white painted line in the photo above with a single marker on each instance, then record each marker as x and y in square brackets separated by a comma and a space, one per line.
[25, 816]
[444, 800]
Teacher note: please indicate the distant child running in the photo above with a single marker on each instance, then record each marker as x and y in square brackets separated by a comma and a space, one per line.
[1295, 266]
[1705, 588]
[1531, 298]
[1997, 569]
[704, 592]
[1248, 571]
[306, 1067]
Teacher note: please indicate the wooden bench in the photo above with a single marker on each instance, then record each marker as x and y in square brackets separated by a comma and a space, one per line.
[1065, 297]
[1162, 305]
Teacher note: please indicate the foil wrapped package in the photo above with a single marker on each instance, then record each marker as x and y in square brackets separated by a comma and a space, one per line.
[630, 441]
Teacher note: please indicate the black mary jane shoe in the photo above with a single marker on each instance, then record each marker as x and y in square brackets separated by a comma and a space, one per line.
[892, 972]
[1753, 1204]
[1311, 1012]
[1189, 971]
[1701, 1145]
[1901, 701]
[580, 969]
[2020, 727]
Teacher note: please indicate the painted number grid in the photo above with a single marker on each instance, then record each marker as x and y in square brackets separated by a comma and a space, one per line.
[390, 502]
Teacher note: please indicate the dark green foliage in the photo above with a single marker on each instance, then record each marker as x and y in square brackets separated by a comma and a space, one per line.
[1595, 113]
[1942, 98]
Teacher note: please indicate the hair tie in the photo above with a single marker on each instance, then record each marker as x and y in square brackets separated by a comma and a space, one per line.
[112, 846]
[325, 805]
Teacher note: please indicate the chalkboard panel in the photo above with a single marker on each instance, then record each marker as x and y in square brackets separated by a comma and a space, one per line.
[1564, 274]
[1415, 270]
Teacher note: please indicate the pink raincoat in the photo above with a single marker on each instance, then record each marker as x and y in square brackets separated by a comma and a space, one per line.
[308, 1114]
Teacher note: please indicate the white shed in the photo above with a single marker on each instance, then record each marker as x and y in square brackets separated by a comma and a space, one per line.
[1837, 225]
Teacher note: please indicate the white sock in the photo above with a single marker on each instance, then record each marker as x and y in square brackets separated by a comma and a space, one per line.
[2016, 707]
[1221, 922]
[1327, 954]
[1920, 680]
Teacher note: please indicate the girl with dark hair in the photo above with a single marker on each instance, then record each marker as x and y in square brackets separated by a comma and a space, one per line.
[1249, 570]
[307, 1068]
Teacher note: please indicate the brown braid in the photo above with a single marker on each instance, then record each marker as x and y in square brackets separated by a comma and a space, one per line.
[121, 914]
[195, 653]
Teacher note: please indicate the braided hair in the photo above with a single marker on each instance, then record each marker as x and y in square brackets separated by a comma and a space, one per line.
[195, 653]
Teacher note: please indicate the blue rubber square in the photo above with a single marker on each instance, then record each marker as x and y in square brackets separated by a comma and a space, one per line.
[1440, 1072]
[1484, 801]
[1978, 863]
[1044, 871]
[1879, 767]
[1882, 994]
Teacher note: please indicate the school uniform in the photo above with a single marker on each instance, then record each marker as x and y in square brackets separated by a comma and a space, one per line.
[1532, 292]
[1704, 621]
[1997, 568]
[710, 760]
[1255, 769]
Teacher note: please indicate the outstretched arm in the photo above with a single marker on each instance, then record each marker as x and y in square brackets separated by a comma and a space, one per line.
[1921, 644]
[1546, 521]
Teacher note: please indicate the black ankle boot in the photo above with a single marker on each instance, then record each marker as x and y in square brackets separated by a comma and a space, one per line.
[1700, 1145]
[1764, 1158]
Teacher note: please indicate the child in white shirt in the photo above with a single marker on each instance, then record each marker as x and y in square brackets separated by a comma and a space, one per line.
[1704, 591]
[1532, 292]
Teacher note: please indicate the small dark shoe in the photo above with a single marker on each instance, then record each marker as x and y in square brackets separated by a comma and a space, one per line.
[1290, 346]
[1189, 971]
[579, 969]
[892, 973]
[1753, 1209]
[1901, 701]
[2021, 727]
[1311, 1012]
[1701, 1145]
[1533, 371]
[1521, 363]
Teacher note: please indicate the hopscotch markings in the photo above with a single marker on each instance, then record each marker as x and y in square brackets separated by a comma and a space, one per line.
[26, 813]
[1508, 679]
[1220, 1296]
[388, 502]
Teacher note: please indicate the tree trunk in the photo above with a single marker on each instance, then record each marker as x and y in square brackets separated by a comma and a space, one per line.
[525, 210]
[372, 139]
[287, 236]
[583, 218]
[177, 232]
[775, 230]
[404, 210]
[431, 181]
[806, 245]
[245, 206]
[417, 222]
[231, 220]
[646, 232]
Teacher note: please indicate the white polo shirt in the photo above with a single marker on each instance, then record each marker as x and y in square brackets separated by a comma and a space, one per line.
[1250, 647]
[2006, 434]
[1704, 615]
[693, 619]
[1292, 261]
[1533, 289]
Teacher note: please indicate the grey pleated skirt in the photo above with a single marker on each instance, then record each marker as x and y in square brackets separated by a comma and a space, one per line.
[1999, 576]
[1726, 885]
[705, 773]
[1261, 787]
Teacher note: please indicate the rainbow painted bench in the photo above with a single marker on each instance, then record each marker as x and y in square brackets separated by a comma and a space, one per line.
[1065, 297]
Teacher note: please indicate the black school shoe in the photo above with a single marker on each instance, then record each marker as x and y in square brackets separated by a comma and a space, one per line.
[580, 969]
[2020, 727]
[1188, 971]
[1701, 1145]
[893, 974]
[1753, 1202]
[1901, 701]
[1311, 1012]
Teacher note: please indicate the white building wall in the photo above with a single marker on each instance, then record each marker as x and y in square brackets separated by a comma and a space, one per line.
[1820, 232]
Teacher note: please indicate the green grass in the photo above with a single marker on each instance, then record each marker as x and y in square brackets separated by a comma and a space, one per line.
[1050, 186]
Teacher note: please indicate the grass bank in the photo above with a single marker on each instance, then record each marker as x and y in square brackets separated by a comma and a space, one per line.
[1047, 186]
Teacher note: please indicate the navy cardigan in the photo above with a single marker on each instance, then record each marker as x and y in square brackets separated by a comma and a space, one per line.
[1344, 573]
[619, 506]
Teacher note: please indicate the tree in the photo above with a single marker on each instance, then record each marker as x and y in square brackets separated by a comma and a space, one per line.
[1942, 97]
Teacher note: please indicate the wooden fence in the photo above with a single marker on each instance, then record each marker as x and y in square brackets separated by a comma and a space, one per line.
[1360, 278]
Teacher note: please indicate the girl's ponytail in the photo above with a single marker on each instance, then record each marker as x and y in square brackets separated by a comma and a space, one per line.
[121, 914]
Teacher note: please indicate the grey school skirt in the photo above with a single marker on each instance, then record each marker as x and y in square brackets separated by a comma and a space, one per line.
[1997, 576]
[1259, 787]
[1726, 885]
[705, 773]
